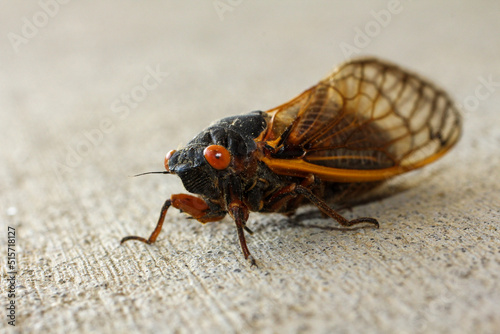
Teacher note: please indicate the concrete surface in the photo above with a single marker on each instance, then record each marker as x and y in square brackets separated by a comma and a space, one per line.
[70, 141]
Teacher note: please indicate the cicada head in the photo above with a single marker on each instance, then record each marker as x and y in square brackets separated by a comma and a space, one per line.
[196, 174]
[217, 154]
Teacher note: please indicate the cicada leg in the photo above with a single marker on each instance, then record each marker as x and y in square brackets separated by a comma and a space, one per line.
[193, 206]
[239, 212]
[287, 196]
[325, 208]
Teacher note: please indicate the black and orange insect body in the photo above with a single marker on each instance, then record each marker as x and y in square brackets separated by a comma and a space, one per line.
[366, 122]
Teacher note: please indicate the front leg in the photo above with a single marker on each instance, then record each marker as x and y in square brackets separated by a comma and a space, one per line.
[192, 205]
[239, 212]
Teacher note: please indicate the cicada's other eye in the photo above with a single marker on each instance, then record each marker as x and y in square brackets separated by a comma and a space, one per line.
[167, 158]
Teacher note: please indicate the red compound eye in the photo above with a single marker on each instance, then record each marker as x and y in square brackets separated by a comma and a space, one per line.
[167, 157]
[217, 156]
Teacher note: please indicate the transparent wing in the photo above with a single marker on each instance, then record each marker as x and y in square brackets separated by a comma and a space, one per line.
[369, 119]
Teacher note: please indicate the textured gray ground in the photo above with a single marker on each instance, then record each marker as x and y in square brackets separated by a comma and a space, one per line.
[69, 145]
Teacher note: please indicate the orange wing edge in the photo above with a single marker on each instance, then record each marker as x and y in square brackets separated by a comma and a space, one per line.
[301, 168]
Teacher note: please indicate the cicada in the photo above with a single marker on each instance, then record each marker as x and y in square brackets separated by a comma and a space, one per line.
[363, 124]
